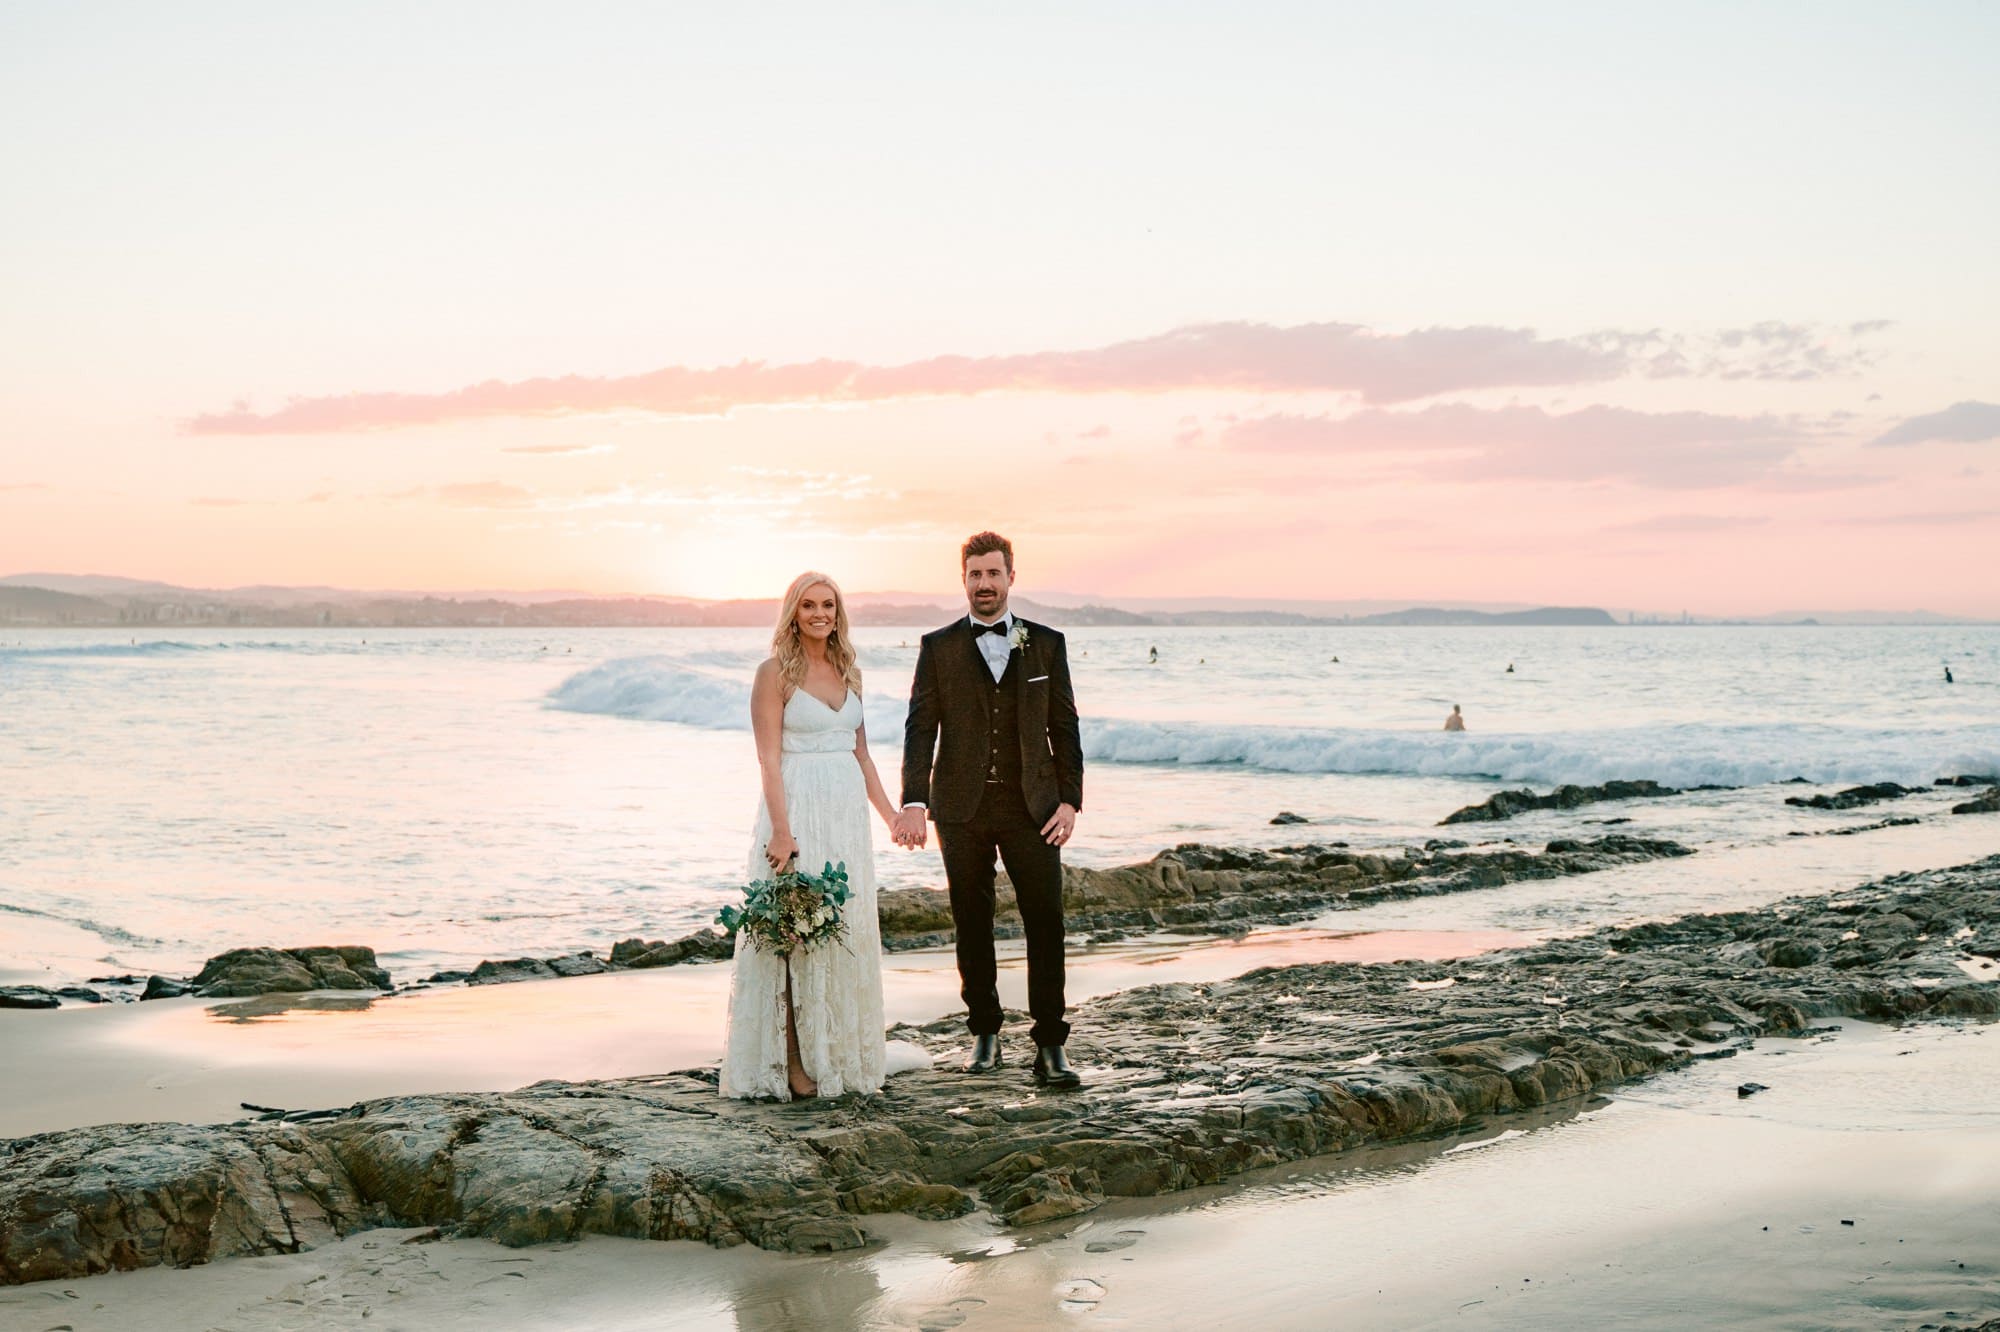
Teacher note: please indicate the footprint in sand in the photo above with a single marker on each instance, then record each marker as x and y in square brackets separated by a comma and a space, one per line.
[1119, 1239]
[1079, 1296]
[950, 1316]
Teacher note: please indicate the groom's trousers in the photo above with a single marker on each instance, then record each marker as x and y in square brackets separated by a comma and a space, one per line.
[1004, 826]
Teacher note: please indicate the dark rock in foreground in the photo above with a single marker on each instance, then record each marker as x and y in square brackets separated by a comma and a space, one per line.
[1506, 804]
[1854, 796]
[1188, 1084]
[28, 996]
[161, 987]
[250, 971]
[1989, 803]
[703, 945]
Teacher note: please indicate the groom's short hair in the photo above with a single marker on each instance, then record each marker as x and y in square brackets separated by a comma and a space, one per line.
[985, 543]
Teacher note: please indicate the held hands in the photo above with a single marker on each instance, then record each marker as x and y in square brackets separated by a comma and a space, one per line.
[782, 847]
[1060, 825]
[907, 829]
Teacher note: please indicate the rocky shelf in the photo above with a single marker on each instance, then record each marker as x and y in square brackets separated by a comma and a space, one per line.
[1187, 1084]
[1506, 804]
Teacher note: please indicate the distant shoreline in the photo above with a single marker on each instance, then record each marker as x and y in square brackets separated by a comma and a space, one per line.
[57, 600]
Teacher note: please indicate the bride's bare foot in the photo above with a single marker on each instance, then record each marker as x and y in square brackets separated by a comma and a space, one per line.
[803, 1087]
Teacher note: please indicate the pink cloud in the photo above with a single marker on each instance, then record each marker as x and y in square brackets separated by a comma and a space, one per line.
[1232, 356]
[1598, 443]
[1936, 518]
[1962, 422]
[1691, 523]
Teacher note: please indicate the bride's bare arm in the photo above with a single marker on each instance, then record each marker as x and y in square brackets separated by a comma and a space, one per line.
[767, 723]
[877, 795]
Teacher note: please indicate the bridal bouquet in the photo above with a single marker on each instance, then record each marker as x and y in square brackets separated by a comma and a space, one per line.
[792, 911]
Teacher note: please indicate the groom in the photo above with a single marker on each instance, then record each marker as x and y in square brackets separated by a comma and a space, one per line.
[991, 748]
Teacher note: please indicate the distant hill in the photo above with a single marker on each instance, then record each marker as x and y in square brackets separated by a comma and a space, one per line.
[83, 600]
[41, 605]
[1556, 615]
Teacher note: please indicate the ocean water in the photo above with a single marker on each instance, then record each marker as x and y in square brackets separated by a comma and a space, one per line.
[449, 795]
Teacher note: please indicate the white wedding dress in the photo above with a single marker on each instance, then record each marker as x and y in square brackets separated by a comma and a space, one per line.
[836, 987]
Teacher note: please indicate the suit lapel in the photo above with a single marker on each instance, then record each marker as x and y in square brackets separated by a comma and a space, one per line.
[1020, 664]
[981, 675]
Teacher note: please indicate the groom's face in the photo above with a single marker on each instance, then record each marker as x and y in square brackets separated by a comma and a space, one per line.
[987, 580]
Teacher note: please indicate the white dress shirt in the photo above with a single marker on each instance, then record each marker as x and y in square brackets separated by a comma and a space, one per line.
[996, 648]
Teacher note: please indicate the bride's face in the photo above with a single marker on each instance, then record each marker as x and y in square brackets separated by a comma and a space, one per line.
[817, 609]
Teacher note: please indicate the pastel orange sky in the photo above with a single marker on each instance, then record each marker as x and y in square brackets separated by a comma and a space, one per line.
[1578, 305]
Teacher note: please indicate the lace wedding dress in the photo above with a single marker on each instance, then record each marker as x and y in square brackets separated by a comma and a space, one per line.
[836, 987]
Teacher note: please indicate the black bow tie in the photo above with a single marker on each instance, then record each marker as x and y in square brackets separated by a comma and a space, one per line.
[999, 628]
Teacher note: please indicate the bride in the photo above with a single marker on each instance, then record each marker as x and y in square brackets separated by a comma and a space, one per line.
[813, 1027]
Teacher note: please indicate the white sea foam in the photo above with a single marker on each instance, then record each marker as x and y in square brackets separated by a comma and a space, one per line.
[1687, 754]
[665, 689]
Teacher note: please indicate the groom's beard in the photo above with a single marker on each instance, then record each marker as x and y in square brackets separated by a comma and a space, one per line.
[988, 605]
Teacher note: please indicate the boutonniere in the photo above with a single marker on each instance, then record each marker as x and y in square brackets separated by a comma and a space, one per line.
[1018, 640]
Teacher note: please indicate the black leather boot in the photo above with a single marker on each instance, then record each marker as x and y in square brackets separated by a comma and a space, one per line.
[985, 1054]
[1052, 1070]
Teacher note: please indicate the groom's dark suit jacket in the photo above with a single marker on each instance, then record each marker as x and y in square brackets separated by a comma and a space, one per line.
[947, 739]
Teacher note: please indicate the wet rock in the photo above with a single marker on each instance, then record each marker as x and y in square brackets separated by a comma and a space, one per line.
[1989, 803]
[1790, 953]
[1854, 796]
[94, 1200]
[1856, 828]
[584, 963]
[701, 946]
[1750, 1089]
[252, 971]
[1025, 1190]
[28, 996]
[1967, 780]
[1286, 816]
[1506, 804]
[510, 969]
[163, 987]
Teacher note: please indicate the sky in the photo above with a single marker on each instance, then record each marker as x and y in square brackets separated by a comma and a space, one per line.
[1686, 306]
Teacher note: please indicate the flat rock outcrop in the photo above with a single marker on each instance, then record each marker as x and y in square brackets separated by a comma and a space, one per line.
[1206, 889]
[1506, 804]
[1187, 1084]
[1986, 803]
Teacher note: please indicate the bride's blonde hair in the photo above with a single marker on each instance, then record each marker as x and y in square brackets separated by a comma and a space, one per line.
[790, 652]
